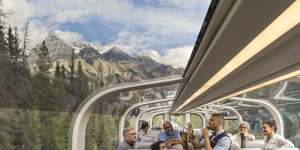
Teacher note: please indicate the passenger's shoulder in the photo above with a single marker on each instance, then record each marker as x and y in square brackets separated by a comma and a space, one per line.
[225, 141]
[123, 146]
[225, 138]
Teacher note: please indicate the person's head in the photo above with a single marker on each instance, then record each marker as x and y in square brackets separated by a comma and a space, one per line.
[168, 126]
[145, 125]
[216, 121]
[129, 135]
[269, 128]
[244, 127]
[189, 125]
[159, 145]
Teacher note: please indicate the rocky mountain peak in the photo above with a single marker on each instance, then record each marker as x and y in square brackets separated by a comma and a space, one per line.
[90, 54]
[115, 65]
[115, 54]
[147, 60]
[116, 50]
[58, 48]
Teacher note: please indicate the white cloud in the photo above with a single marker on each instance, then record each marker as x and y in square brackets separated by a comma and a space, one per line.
[176, 57]
[143, 28]
[161, 20]
[17, 12]
[184, 4]
[37, 33]
[68, 36]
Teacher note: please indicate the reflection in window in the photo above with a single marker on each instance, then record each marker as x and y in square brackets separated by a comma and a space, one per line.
[231, 126]
[254, 115]
[288, 104]
[157, 121]
[177, 121]
[196, 121]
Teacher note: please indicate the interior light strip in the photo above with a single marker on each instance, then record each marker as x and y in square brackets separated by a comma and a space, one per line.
[283, 23]
[284, 77]
[281, 78]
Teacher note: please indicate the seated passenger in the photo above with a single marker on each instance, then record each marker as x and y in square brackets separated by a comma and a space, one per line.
[273, 140]
[159, 145]
[143, 131]
[129, 136]
[219, 140]
[243, 136]
[171, 137]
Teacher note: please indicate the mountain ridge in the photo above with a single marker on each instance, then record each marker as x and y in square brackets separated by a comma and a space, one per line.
[113, 66]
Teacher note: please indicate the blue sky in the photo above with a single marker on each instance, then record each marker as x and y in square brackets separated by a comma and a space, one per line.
[166, 30]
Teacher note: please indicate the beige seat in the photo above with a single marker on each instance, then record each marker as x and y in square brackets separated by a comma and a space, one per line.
[143, 145]
[255, 144]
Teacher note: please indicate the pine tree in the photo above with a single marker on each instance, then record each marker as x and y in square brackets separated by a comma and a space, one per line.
[63, 72]
[83, 86]
[43, 60]
[25, 45]
[57, 73]
[73, 85]
[72, 66]
[3, 48]
[13, 46]
[41, 82]
[10, 43]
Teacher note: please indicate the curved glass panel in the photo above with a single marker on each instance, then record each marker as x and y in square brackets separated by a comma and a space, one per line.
[285, 96]
[178, 121]
[196, 121]
[254, 115]
[157, 121]
[54, 54]
[103, 127]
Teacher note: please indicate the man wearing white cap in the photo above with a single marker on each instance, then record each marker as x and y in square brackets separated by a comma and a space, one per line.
[243, 136]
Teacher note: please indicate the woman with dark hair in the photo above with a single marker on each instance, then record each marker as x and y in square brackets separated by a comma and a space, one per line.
[273, 140]
[143, 131]
[159, 145]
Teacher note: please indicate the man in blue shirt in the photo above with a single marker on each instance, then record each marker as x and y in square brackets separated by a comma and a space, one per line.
[219, 140]
[170, 137]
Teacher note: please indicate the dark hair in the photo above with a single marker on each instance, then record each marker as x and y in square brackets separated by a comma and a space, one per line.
[144, 125]
[271, 123]
[155, 146]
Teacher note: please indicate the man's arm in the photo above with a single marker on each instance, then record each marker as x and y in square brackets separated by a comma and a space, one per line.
[162, 137]
[207, 144]
[285, 143]
[250, 137]
[178, 138]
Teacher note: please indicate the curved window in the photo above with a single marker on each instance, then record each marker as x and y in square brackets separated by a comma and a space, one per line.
[157, 121]
[285, 97]
[177, 121]
[196, 121]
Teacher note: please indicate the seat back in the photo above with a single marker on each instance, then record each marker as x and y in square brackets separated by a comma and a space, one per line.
[143, 145]
[255, 144]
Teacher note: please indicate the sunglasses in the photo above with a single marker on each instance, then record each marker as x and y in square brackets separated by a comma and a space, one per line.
[167, 127]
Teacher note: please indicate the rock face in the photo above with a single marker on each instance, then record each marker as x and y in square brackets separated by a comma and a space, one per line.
[117, 55]
[89, 54]
[58, 49]
[111, 67]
